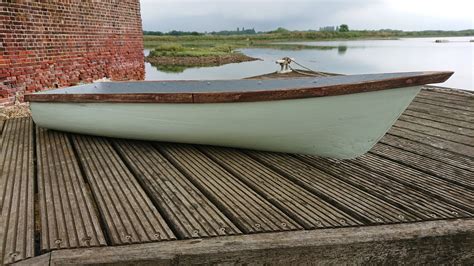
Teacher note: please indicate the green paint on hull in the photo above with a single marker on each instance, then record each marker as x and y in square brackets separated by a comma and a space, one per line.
[343, 126]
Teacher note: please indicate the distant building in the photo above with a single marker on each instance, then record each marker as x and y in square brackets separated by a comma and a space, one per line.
[239, 31]
[328, 28]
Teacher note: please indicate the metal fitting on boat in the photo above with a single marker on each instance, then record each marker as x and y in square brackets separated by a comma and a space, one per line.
[284, 65]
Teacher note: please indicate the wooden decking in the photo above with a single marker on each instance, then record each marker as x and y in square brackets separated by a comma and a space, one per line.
[64, 191]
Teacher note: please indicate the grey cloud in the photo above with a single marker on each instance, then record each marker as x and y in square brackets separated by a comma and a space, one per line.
[213, 15]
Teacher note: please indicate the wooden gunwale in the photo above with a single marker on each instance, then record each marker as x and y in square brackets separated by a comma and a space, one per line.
[246, 96]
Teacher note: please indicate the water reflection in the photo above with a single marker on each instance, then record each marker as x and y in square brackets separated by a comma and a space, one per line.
[169, 69]
[341, 49]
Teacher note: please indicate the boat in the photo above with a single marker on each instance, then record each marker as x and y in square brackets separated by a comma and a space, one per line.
[336, 116]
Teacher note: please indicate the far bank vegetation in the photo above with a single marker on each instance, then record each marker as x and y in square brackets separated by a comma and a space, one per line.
[177, 55]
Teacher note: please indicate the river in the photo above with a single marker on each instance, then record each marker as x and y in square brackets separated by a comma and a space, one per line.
[351, 57]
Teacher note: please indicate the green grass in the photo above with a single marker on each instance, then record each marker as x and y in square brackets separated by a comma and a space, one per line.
[178, 50]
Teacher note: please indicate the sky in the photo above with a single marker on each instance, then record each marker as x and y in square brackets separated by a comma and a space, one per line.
[264, 15]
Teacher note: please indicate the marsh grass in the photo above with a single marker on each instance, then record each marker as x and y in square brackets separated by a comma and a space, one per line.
[178, 50]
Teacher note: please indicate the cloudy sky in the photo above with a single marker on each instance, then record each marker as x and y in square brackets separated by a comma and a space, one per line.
[263, 15]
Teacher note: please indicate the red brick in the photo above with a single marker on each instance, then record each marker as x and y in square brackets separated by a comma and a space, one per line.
[68, 44]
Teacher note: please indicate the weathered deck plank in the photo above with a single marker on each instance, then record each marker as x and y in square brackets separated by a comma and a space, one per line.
[414, 201]
[426, 164]
[447, 104]
[448, 95]
[345, 196]
[129, 215]
[185, 207]
[438, 125]
[246, 208]
[444, 98]
[440, 119]
[435, 142]
[441, 155]
[68, 217]
[441, 111]
[304, 207]
[436, 187]
[17, 191]
[431, 131]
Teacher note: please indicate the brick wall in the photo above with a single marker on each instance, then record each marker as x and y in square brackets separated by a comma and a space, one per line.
[50, 44]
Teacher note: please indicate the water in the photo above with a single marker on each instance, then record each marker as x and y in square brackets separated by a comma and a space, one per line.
[351, 57]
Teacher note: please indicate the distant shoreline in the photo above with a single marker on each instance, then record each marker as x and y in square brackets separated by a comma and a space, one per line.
[258, 39]
[273, 40]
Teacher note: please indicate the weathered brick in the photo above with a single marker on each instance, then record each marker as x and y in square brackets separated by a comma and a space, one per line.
[45, 44]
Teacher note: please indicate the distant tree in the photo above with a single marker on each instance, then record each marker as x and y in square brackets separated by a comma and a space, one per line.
[251, 31]
[343, 28]
[182, 33]
[158, 33]
[279, 30]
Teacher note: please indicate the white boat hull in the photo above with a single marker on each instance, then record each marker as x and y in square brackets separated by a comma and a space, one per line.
[344, 126]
